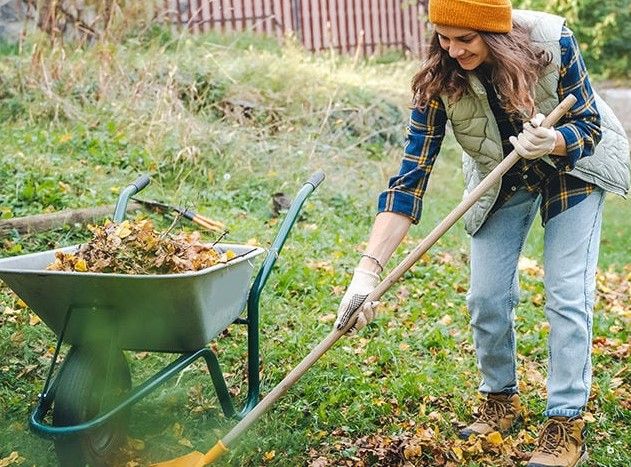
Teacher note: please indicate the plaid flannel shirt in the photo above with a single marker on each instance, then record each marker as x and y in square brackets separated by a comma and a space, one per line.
[559, 191]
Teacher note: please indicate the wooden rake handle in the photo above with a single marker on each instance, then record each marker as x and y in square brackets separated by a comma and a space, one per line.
[295, 374]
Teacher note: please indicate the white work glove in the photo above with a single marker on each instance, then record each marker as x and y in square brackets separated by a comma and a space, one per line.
[362, 284]
[535, 141]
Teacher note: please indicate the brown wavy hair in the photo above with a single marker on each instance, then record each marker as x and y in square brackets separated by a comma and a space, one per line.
[515, 69]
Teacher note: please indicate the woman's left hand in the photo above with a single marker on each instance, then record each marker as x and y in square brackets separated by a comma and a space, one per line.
[535, 141]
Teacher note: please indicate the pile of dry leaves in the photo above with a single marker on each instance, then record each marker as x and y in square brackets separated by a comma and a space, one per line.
[135, 247]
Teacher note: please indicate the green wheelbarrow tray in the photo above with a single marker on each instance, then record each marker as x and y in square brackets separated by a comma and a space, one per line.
[100, 315]
[170, 312]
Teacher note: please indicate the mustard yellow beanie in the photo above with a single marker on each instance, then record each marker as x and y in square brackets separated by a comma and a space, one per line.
[479, 15]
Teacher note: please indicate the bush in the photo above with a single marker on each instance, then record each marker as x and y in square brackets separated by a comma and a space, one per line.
[602, 29]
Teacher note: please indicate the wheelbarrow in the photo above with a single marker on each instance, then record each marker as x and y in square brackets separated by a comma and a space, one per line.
[101, 315]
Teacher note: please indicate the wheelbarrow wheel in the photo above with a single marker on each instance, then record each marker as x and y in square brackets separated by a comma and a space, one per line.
[83, 391]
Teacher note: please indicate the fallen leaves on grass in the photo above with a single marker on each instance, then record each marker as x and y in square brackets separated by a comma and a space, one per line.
[621, 387]
[12, 459]
[135, 247]
[612, 347]
[614, 292]
[424, 446]
[324, 266]
[530, 267]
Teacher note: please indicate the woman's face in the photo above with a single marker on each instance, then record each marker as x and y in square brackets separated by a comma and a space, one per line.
[464, 45]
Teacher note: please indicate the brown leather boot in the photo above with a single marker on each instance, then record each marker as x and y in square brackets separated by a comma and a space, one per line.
[561, 443]
[499, 412]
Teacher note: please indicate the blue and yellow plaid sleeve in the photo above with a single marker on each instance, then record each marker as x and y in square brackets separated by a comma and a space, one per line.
[581, 127]
[425, 133]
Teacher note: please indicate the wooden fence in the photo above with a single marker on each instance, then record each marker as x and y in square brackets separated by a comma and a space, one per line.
[347, 26]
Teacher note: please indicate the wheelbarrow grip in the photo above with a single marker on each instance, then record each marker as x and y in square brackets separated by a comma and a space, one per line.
[316, 178]
[129, 191]
[141, 182]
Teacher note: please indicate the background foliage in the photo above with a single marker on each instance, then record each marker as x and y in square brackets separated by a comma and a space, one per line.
[602, 28]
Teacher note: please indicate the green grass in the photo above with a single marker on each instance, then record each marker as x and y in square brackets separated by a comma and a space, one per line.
[78, 126]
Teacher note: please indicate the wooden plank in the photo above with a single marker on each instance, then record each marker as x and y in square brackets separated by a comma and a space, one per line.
[205, 14]
[53, 220]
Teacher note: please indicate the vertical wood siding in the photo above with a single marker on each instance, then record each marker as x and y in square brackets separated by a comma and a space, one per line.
[346, 26]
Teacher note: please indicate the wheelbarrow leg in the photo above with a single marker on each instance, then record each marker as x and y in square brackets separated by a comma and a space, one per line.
[219, 382]
[254, 383]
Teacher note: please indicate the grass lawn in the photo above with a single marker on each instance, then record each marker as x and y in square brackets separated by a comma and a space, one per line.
[221, 124]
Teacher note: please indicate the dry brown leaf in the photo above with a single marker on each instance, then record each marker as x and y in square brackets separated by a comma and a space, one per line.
[134, 247]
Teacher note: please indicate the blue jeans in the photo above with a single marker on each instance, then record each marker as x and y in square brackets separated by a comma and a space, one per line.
[571, 241]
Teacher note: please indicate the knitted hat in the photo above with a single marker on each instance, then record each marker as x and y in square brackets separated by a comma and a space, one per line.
[479, 15]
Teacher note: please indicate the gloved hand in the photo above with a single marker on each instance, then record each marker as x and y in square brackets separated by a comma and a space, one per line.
[361, 285]
[535, 141]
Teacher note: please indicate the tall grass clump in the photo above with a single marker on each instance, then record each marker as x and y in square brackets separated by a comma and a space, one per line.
[190, 109]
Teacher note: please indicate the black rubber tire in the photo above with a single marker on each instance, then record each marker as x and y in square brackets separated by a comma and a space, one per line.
[78, 398]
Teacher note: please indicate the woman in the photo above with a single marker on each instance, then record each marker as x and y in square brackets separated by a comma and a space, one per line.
[490, 69]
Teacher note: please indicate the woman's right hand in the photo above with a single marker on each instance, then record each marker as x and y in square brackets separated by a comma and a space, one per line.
[362, 284]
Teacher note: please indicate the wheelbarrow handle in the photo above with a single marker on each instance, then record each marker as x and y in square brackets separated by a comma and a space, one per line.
[141, 182]
[316, 178]
[130, 190]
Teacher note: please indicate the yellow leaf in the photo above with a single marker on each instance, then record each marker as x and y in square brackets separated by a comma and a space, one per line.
[527, 437]
[65, 138]
[13, 458]
[589, 417]
[446, 320]
[20, 303]
[494, 438]
[34, 319]
[185, 442]
[320, 265]
[457, 452]
[329, 318]
[227, 256]
[252, 242]
[177, 429]
[269, 455]
[136, 444]
[123, 230]
[403, 346]
[412, 451]
[529, 266]
[80, 265]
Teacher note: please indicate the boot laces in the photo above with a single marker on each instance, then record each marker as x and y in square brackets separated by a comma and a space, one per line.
[492, 410]
[555, 437]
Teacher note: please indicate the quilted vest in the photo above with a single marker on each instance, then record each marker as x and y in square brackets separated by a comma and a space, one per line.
[476, 130]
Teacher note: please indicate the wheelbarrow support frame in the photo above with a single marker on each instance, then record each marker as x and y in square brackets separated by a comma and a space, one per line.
[47, 396]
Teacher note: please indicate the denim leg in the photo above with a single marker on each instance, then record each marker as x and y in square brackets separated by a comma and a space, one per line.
[571, 242]
[494, 289]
